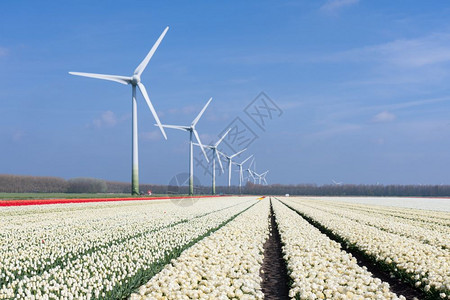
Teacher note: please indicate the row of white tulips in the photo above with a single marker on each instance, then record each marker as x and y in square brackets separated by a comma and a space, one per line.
[318, 267]
[416, 215]
[433, 236]
[38, 239]
[107, 270]
[427, 266]
[426, 219]
[225, 265]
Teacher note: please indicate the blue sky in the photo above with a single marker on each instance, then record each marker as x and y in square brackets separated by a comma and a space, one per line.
[363, 87]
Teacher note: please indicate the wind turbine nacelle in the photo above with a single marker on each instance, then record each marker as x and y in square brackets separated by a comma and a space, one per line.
[135, 79]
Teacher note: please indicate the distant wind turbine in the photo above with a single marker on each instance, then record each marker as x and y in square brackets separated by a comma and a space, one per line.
[241, 173]
[229, 158]
[250, 172]
[263, 176]
[134, 80]
[215, 156]
[192, 131]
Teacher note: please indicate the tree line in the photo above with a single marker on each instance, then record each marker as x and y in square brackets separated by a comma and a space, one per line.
[45, 184]
[41, 184]
[350, 190]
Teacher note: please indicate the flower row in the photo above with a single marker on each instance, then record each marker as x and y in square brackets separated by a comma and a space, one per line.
[417, 215]
[318, 267]
[224, 265]
[432, 234]
[35, 242]
[425, 266]
[112, 271]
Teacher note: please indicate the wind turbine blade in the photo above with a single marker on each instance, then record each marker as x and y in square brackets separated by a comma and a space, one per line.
[144, 63]
[249, 167]
[185, 181]
[152, 109]
[221, 139]
[236, 154]
[265, 181]
[246, 159]
[184, 128]
[116, 78]
[201, 113]
[206, 146]
[200, 143]
[220, 161]
[223, 154]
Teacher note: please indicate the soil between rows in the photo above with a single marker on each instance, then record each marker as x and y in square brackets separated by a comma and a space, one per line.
[275, 277]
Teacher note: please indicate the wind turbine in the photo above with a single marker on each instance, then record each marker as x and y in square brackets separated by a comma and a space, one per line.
[192, 131]
[263, 176]
[134, 80]
[214, 156]
[241, 174]
[336, 183]
[250, 172]
[260, 176]
[230, 158]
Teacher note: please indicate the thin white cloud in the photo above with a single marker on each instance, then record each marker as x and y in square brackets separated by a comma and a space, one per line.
[334, 130]
[18, 135]
[411, 53]
[425, 130]
[291, 104]
[334, 5]
[239, 81]
[3, 51]
[358, 110]
[379, 141]
[207, 138]
[214, 117]
[394, 56]
[106, 120]
[186, 110]
[383, 117]
[151, 135]
[418, 103]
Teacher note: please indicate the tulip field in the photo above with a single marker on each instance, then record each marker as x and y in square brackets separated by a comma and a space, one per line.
[215, 249]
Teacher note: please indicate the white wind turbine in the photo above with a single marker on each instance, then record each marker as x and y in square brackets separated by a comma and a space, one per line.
[259, 176]
[263, 177]
[250, 172]
[241, 173]
[230, 158]
[134, 80]
[192, 131]
[215, 156]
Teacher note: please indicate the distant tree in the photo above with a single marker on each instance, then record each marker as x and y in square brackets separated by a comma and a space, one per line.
[86, 185]
[31, 184]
